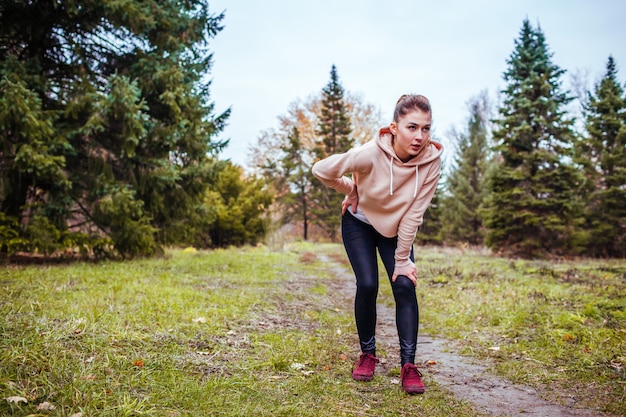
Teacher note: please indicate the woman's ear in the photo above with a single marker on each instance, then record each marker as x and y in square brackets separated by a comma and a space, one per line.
[393, 127]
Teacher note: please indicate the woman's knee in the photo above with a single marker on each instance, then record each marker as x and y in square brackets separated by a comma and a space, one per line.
[403, 286]
[367, 287]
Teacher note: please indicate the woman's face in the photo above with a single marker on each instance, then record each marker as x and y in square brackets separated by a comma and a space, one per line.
[411, 132]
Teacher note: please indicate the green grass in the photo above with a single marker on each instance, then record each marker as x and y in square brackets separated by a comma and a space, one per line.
[560, 327]
[244, 332]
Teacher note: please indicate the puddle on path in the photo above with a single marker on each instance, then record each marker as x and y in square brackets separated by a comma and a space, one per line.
[460, 375]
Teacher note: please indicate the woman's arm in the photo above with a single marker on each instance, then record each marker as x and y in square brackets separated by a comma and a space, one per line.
[407, 229]
[331, 172]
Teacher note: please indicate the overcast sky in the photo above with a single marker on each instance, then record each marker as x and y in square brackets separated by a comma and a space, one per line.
[274, 52]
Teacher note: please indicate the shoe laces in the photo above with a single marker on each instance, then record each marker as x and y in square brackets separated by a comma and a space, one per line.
[367, 360]
[411, 372]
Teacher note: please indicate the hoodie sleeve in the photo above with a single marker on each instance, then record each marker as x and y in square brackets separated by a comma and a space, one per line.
[332, 170]
[412, 220]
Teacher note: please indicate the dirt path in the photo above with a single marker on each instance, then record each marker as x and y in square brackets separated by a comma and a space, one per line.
[461, 375]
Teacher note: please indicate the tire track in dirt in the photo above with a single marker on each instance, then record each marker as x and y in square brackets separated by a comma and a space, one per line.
[461, 375]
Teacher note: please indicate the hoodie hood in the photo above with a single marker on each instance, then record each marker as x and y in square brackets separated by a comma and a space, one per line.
[430, 151]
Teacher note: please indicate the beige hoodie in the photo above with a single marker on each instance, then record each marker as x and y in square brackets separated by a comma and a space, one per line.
[392, 194]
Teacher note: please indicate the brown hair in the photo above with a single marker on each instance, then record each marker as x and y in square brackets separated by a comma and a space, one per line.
[410, 102]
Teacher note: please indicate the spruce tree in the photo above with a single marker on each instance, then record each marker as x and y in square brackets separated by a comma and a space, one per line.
[297, 174]
[105, 117]
[234, 205]
[462, 217]
[431, 230]
[532, 201]
[602, 154]
[333, 137]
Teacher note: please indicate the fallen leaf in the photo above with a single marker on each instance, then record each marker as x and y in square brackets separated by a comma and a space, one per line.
[138, 363]
[45, 406]
[343, 357]
[431, 363]
[496, 348]
[16, 399]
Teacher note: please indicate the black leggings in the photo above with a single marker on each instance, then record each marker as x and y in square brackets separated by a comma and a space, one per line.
[361, 241]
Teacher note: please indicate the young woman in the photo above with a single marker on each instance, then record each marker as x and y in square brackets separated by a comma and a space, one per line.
[393, 179]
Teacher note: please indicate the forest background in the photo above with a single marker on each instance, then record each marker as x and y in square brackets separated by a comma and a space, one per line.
[110, 149]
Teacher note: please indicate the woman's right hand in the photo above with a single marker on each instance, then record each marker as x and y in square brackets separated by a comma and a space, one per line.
[347, 202]
[407, 270]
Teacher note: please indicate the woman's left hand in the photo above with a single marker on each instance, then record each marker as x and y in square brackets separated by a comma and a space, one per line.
[408, 271]
[347, 202]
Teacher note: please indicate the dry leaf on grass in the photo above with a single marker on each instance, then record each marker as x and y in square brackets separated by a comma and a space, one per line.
[15, 399]
[45, 406]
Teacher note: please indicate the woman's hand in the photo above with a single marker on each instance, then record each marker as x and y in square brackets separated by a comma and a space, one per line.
[347, 202]
[407, 270]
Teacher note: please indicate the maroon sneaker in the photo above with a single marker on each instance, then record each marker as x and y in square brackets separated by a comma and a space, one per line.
[411, 379]
[364, 370]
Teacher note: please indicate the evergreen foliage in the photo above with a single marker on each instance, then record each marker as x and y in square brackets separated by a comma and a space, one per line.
[105, 119]
[286, 164]
[532, 207]
[466, 192]
[602, 154]
[297, 173]
[334, 130]
[234, 206]
[431, 230]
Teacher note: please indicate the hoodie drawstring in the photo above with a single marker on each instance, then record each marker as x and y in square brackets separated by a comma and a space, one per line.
[416, 181]
[391, 178]
[391, 175]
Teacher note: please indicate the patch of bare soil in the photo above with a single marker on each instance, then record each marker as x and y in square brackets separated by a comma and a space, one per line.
[461, 375]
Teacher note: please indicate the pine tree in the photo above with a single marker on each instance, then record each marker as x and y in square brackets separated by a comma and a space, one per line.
[235, 205]
[532, 202]
[602, 154]
[462, 217]
[334, 137]
[297, 173]
[105, 116]
[431, 230]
